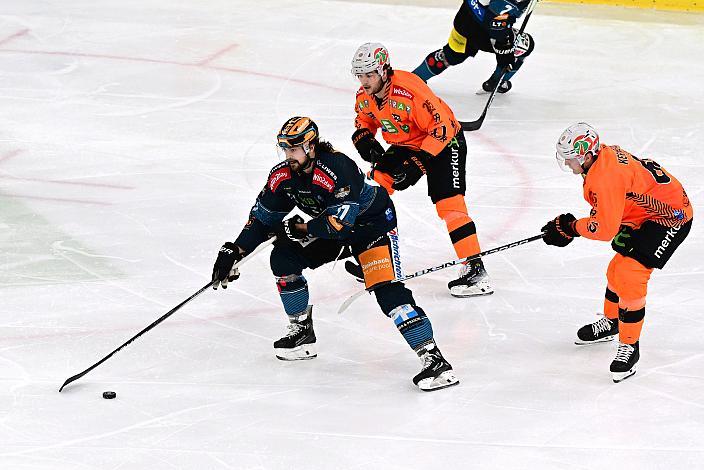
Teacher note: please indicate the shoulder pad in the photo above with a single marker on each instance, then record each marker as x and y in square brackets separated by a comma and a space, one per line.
[360, 91]
[278, 174]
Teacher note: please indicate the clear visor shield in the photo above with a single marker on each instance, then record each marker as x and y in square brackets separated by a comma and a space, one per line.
[281, 147]
[567, 165]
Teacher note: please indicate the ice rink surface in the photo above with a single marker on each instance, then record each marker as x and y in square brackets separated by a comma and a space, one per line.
[134, 137]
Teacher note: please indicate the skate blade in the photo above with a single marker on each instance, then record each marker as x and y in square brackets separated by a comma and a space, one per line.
[300, 353]
[605, 339]
[621, 376]
[471, 291]
[444, 380]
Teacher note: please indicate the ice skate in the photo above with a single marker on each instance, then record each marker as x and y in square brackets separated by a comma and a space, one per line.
[624, 365]
[598, 332]
[436, 373]
[473, 281]
[488, 87]
[299, 343]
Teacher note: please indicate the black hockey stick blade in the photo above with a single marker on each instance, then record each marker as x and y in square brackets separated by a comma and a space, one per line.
[475, 125]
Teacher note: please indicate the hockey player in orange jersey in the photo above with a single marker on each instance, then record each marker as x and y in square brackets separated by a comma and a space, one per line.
[425, 139]
[646, 214]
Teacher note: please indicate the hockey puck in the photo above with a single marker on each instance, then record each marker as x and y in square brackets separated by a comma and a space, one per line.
[109, 395]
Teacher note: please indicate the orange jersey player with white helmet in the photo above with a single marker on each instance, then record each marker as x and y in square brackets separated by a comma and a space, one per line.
[425, 139]
[646, 214]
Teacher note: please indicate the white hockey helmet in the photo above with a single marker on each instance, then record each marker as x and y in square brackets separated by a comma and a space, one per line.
[370, 57]
[575, 143]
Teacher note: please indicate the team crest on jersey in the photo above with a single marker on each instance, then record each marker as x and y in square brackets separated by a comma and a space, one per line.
[400, 91]
[323, 180]
[342, 192]
[277, 177]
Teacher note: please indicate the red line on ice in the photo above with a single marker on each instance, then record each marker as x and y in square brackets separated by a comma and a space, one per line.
[217, 54]
[10, 154]
[57, 199]
[13, 36]
[76, 183]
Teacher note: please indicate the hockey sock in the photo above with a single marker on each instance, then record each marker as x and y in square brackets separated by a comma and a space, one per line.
[433, 65]
[293, 290]
[629, 325]
[463, 232]
[413, 325]
[610, 304]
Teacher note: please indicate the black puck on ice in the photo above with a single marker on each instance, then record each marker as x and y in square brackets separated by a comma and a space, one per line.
[109, 395]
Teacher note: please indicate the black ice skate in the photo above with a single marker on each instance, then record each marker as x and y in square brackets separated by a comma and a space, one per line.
[598, 332]
[299, 342]
[473, 281]
[624, 365]
[488, 86]
[437, 373]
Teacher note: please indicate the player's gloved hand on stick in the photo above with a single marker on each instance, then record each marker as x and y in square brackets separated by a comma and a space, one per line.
[223, 273]
[366, 144]
[505, 52]
[287, 231]
[560, 231]
[411, 169]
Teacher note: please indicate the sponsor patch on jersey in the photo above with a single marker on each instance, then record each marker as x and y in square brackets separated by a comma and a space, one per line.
[342, 192]
[323, 180]
[327, 170]
[277, 177]
[360, 91]
[400, 91]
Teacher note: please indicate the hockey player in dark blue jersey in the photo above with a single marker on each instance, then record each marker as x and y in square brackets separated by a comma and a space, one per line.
[350, 217]
[483, 25]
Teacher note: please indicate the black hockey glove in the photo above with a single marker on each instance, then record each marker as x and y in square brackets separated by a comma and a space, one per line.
[560, 231]
[286, 231]
[505, 52]
[368, 147]
[222, 270]
[411, 168]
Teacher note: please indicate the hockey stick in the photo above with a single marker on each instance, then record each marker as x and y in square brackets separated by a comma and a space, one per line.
[166, 315]
[425, 271]
[476, 124]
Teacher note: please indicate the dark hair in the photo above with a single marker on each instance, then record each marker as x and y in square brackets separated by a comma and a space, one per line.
[389, 71]
[324, 146]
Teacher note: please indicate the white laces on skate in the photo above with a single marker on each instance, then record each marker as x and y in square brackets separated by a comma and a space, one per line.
[293, 329]
[624, 352]
[602, 325]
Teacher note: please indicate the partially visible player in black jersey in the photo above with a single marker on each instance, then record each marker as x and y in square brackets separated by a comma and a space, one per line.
[483, 25]
[349, 217]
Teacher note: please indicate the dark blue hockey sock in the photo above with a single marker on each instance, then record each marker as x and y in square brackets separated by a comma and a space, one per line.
[293, 290]
[413, 324]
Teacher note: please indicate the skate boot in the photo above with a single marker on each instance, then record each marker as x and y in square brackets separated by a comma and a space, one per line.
[624, 365]
[598, 332]
[488, 86]
[299, 343]
[473, 281]
[437, 373]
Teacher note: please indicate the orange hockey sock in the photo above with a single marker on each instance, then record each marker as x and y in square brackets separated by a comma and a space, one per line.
[630, 324]
[610, 304]
[463, 232]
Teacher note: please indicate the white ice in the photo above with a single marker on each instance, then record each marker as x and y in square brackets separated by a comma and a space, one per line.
[134, 137]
